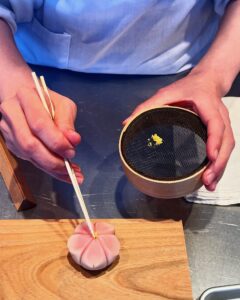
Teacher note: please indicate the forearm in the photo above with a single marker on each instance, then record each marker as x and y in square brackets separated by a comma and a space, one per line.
[222, 61]
[13, 69]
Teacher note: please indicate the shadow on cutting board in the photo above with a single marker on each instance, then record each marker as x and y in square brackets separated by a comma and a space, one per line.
[91, 274]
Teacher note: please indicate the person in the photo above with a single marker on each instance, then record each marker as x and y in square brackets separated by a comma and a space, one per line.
[124, 37]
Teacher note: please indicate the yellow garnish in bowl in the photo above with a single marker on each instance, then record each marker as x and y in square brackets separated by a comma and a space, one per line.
[155, 140]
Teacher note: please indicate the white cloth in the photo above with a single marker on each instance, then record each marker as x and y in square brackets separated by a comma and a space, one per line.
[228, 189]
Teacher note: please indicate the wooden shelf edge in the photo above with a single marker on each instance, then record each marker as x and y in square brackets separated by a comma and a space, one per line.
[18, 189]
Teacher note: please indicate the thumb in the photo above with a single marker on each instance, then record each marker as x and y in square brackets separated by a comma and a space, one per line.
[162, 97]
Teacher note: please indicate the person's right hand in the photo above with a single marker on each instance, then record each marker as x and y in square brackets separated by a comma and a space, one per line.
[32, 135]
[199, 92]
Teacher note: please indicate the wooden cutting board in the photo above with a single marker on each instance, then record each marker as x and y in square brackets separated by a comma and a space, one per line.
[35, 264]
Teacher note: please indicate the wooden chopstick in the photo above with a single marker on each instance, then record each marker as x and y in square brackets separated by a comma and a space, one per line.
[47, 93]
[40, 93]
[70, 170]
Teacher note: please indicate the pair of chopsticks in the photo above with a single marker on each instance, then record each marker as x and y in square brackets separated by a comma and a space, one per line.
[44, 90]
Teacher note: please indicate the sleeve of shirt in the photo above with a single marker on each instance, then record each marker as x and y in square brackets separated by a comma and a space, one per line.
[220, 6]
[15, 11]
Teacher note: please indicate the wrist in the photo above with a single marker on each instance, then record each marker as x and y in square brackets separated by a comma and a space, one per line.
[14, 79]
[14, 72]
[216, 78]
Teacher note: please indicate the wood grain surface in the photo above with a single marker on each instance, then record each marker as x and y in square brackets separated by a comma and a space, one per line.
[35, 264]
[13, 177]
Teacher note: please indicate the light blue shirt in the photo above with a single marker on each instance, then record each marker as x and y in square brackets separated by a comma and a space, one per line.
[114, 36]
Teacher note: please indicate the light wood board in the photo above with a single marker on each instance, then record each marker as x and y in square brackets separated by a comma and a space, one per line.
[34, 262]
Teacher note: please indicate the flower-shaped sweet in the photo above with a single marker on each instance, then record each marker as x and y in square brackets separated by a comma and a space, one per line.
[94, 253]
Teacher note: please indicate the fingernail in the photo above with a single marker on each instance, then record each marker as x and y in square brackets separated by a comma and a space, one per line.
[213, 186]
[78, 174]
[69, 154]
[77, 171]
[73, 133]
[80, 179]
[210, 178]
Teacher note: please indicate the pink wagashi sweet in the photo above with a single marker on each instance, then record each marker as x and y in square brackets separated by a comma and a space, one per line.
[94, 253]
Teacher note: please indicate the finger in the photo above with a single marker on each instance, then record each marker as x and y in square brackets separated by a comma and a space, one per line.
[211, 187]
[75, 166]
[27, 145]
[165, 96]
[12, 148]
[42, 125]
[73, 136]
[68, 180]
[215, 129]
[66, 177]
[9, 139]
[217, 168]
[15, 150]
[65, 115]
[149, 104]
[227, 145]
[78, 172]
[63, 177]
[5, 130]
[80, 178]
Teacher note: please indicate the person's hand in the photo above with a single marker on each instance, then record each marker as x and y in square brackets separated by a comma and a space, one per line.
[200, 93]
[32, 135]
[28, 130]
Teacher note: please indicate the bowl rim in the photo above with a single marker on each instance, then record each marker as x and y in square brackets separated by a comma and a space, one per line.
[167, 182]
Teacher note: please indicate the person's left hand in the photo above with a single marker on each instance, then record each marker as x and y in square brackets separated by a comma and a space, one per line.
[200, 93]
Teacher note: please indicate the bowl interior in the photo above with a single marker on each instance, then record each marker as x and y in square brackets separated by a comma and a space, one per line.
[166, 144]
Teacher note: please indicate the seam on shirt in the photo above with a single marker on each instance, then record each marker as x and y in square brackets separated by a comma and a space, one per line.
[69, 48]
